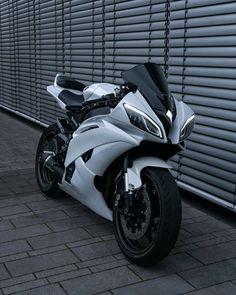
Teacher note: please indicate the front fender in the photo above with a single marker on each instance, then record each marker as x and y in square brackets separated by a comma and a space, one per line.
[134, 178]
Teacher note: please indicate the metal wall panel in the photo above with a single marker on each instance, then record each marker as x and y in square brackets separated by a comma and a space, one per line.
[193, 40]
[209, 88]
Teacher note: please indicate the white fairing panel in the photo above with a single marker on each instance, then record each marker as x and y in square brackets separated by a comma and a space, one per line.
[55, 91]
[82, 188]
[105, 133]
[183, 112]
[107, 142]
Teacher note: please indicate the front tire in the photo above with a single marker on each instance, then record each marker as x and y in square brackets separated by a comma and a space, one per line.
[46, 181]
[154, 232]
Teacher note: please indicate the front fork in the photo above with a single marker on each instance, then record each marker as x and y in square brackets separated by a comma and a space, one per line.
[125, 201]
[125, 172]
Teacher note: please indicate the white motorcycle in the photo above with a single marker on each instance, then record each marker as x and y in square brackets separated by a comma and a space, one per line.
[111, 153]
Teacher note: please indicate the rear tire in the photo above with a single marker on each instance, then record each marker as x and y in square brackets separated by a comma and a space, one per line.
[47, 183]
[164, 207]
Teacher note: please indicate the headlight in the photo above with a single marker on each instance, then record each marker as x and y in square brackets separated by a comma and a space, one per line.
[142, 121]
[187, 128]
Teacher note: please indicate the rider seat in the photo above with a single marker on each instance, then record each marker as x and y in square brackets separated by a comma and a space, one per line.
[71, 99]
[68, 97]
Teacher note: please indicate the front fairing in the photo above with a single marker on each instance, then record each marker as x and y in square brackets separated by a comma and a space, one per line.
[119, 117]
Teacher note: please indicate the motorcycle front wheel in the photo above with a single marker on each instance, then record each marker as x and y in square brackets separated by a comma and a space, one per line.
[148, 234]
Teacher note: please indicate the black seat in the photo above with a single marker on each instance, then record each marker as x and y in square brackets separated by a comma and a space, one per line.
[70, 83]
[71, 99]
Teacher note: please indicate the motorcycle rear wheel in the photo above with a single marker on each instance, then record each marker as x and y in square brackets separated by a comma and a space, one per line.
[46, 182]
[158, 219]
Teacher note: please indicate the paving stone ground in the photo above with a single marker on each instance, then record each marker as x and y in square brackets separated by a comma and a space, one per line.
[56, 247]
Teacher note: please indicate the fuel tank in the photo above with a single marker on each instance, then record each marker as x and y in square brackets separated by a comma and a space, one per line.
[97, 90]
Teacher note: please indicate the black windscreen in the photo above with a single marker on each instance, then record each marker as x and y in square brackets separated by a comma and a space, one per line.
[151, 82]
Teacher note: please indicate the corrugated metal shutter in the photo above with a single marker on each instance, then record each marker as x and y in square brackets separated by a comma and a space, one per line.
[82, 44]
[98, 41]
[134, 33]
[127, 36]
[7, 55]
[209, 162]
[94, 41]
[49, 50]
[25, 88]
[175, 20]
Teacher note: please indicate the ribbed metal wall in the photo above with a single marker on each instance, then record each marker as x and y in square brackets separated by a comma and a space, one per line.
[194, 41]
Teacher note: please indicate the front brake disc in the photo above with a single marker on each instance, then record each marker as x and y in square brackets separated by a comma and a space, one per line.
[138, 233]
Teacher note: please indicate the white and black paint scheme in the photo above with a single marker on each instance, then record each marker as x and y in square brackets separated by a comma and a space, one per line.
[111, 153]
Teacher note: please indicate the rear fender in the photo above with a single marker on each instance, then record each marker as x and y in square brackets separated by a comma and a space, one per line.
[134, 178]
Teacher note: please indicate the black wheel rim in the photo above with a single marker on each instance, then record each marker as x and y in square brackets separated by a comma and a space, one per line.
[47, 147]
[143, 243]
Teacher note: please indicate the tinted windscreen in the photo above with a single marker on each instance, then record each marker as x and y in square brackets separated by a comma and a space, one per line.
[152, 83]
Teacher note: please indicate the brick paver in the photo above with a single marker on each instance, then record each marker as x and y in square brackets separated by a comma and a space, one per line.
[60, 247]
